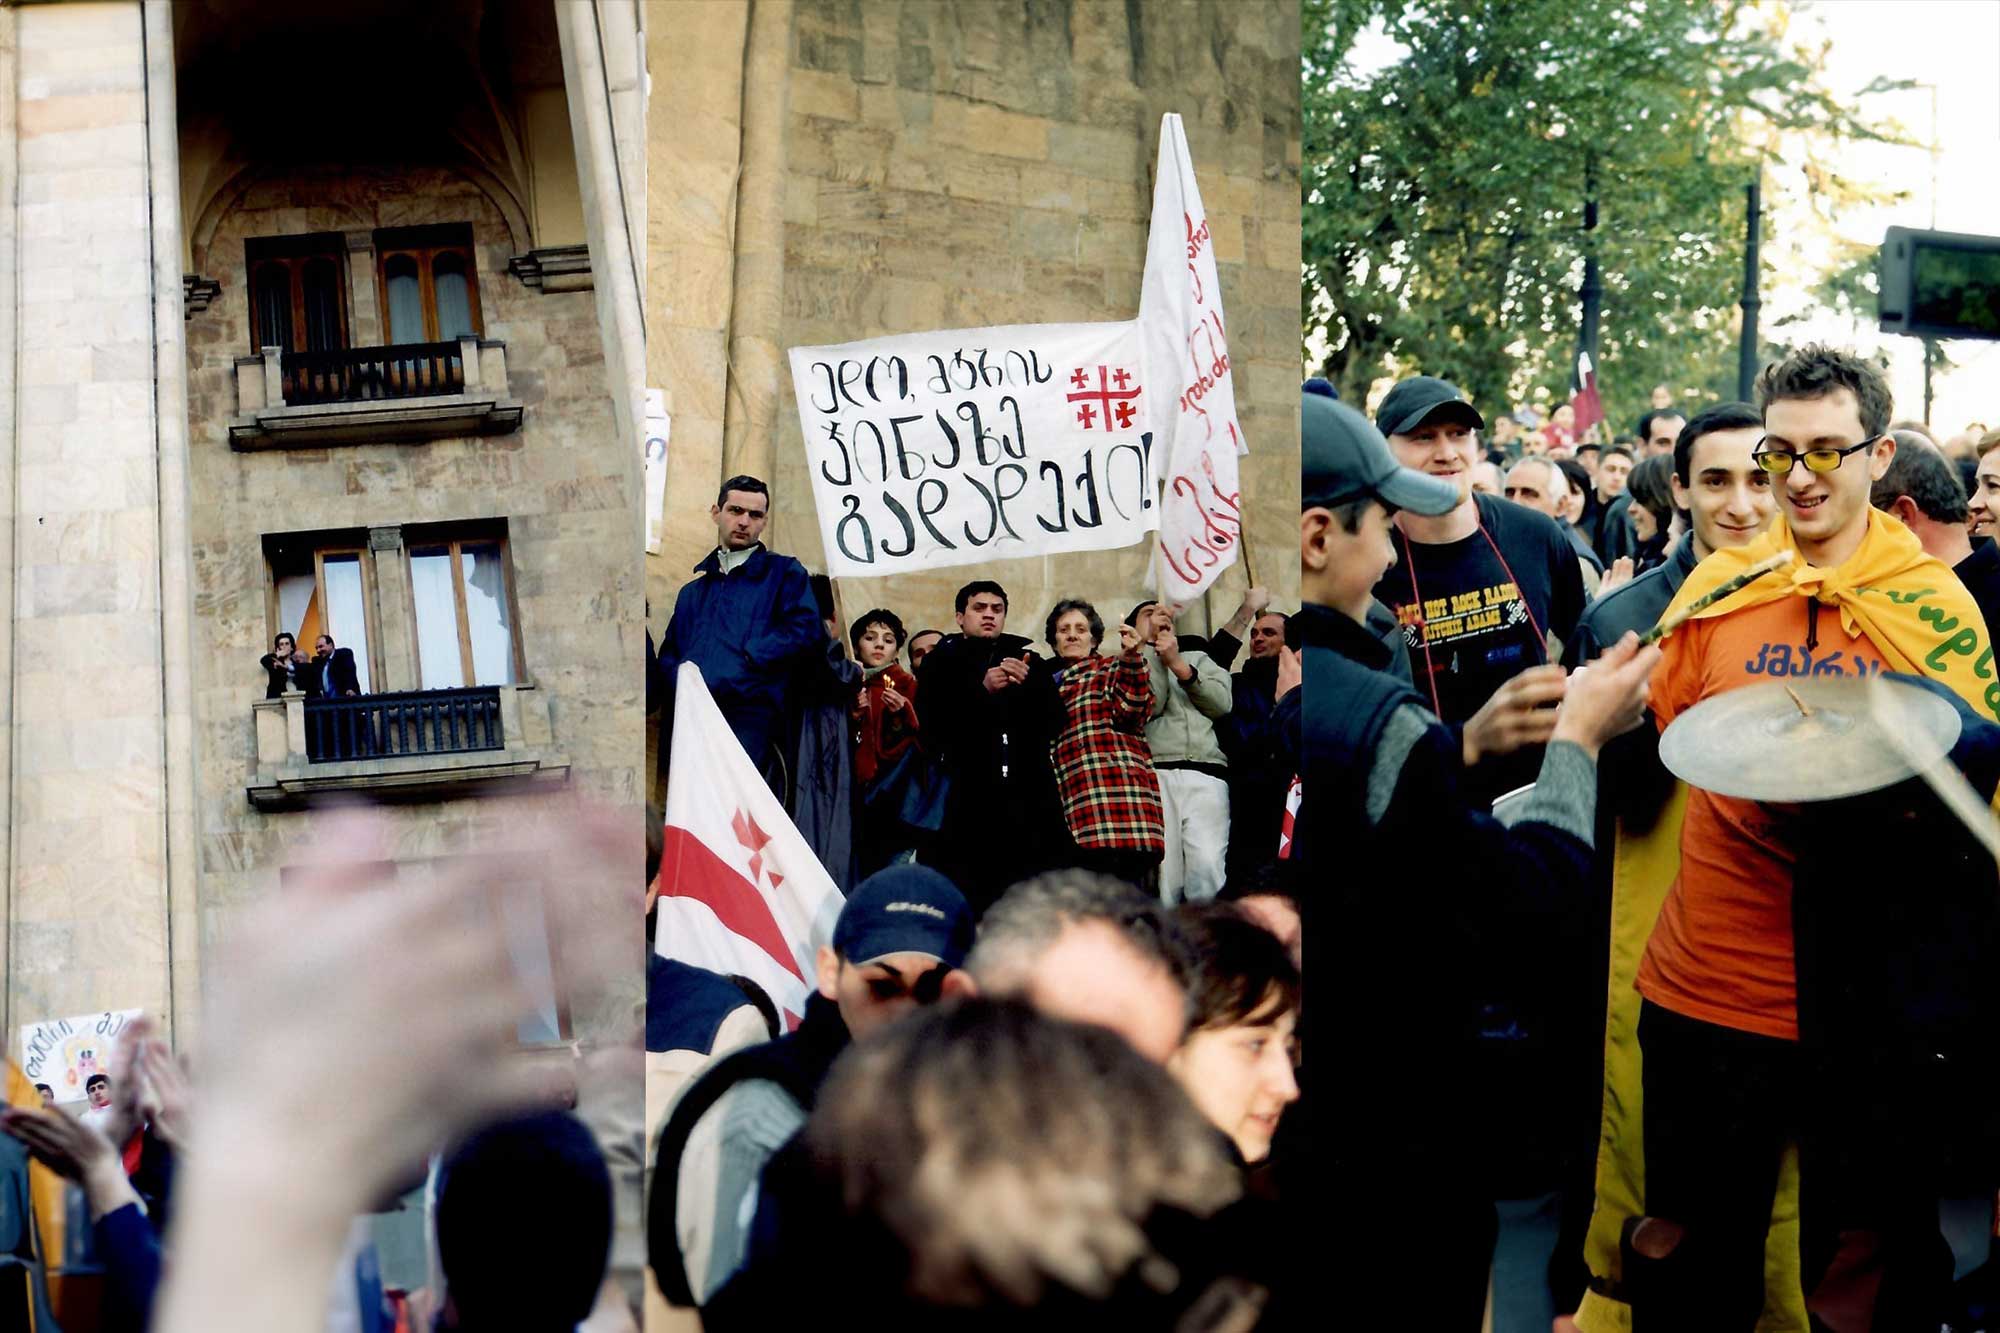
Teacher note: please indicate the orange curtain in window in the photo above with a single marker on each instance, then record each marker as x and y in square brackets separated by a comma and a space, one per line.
[310, 625]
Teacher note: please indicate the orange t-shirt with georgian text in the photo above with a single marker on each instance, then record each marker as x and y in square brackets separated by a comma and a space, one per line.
[1721, 950]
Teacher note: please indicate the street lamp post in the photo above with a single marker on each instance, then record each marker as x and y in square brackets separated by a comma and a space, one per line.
[1746, 352]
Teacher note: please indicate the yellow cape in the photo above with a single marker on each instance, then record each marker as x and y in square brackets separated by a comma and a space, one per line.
[1916, 613]
[45, 1187]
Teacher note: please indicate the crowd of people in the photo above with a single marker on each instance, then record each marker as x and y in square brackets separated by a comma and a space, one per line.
[1052, 1050]
[1721, 1071]
[1126, 748]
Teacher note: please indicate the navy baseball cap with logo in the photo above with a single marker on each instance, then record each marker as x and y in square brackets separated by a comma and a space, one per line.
[1416, 400]
[1346, 458]
[904, 909]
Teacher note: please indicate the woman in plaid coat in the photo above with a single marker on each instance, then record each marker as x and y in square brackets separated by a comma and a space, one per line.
[1104, 768]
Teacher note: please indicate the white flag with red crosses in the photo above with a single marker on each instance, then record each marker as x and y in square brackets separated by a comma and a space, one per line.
[740, 890]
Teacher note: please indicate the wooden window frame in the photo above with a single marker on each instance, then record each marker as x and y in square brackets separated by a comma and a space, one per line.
[322, 548]
[424, 246]
[453, 541]
[292, 254]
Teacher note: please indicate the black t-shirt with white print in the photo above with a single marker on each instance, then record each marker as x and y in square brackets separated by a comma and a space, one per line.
[1475, 613]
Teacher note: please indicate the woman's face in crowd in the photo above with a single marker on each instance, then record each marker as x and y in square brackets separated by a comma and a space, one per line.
[1241, 1078]
[1643, 525]
[1073, 642]
[878, 645]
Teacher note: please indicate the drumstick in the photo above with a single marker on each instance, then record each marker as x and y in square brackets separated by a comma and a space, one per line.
[1959, 796]
[1737, 584]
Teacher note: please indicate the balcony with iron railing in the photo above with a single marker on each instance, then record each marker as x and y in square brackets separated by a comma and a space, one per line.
[416, 743]
[372, 395]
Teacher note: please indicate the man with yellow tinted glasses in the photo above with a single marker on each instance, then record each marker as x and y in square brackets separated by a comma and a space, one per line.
[1737, 1059]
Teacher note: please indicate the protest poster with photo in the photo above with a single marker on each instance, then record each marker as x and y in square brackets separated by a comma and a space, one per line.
[65, 1052]
[966, 446]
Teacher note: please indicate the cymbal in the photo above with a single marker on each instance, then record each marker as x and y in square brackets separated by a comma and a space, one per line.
[1812, 739]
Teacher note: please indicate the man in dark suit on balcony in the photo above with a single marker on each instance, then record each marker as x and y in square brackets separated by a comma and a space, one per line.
[331, 675]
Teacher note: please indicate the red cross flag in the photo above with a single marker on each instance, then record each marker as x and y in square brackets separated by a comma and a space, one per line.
[740, 891]
[1192, 404]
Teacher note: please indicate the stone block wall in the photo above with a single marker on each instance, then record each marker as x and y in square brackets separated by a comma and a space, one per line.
[83, 746]
[560, 482]
[957, 165]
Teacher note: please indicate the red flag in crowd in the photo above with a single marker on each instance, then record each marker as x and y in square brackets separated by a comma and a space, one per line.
[1589, 410]
[740, 891]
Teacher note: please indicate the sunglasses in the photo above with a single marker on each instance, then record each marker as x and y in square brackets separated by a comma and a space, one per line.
[1780, 462]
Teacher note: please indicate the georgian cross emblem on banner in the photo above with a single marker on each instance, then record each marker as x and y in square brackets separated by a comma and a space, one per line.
[1113, 404]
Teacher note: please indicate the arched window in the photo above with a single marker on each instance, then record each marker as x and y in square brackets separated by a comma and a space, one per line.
[430, 286]
[298, 292]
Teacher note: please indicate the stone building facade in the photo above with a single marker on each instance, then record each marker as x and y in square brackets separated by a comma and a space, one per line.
[827, 170]
[298, 352]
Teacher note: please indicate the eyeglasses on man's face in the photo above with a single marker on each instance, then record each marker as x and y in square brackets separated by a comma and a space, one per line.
[1780, 462]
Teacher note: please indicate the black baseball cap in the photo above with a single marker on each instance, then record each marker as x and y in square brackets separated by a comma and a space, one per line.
[1346, 458]
[1415, 400]
[904, 909]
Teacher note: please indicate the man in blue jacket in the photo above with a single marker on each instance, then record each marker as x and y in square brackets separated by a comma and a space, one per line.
[743, 623]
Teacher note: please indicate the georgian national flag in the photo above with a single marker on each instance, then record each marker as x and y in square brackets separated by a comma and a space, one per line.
[1588, 408]
[740, 890]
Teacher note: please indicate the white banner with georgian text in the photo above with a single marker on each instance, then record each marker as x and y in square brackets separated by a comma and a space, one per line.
[967, 446]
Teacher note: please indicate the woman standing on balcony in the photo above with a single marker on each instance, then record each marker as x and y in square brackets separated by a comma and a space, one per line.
[1104, 768]
[281, 667]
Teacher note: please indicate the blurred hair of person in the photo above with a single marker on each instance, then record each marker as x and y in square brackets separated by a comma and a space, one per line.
[1104, 768]
[1271, 900]
[897, 943]
[505, 1268]
[981, 1164]
[1092, 949]
[1486, 479]
[1662, 396]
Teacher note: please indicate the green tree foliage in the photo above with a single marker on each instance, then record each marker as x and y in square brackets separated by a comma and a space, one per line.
[1445, 190]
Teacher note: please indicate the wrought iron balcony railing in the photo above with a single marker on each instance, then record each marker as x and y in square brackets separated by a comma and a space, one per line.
[369, 374]
[387, 726]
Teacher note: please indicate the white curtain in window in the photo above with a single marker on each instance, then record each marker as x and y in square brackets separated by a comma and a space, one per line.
[486, 613]
[295, 594]
[438, 666]
[346, 613]
[454, 303]
[406, 303]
